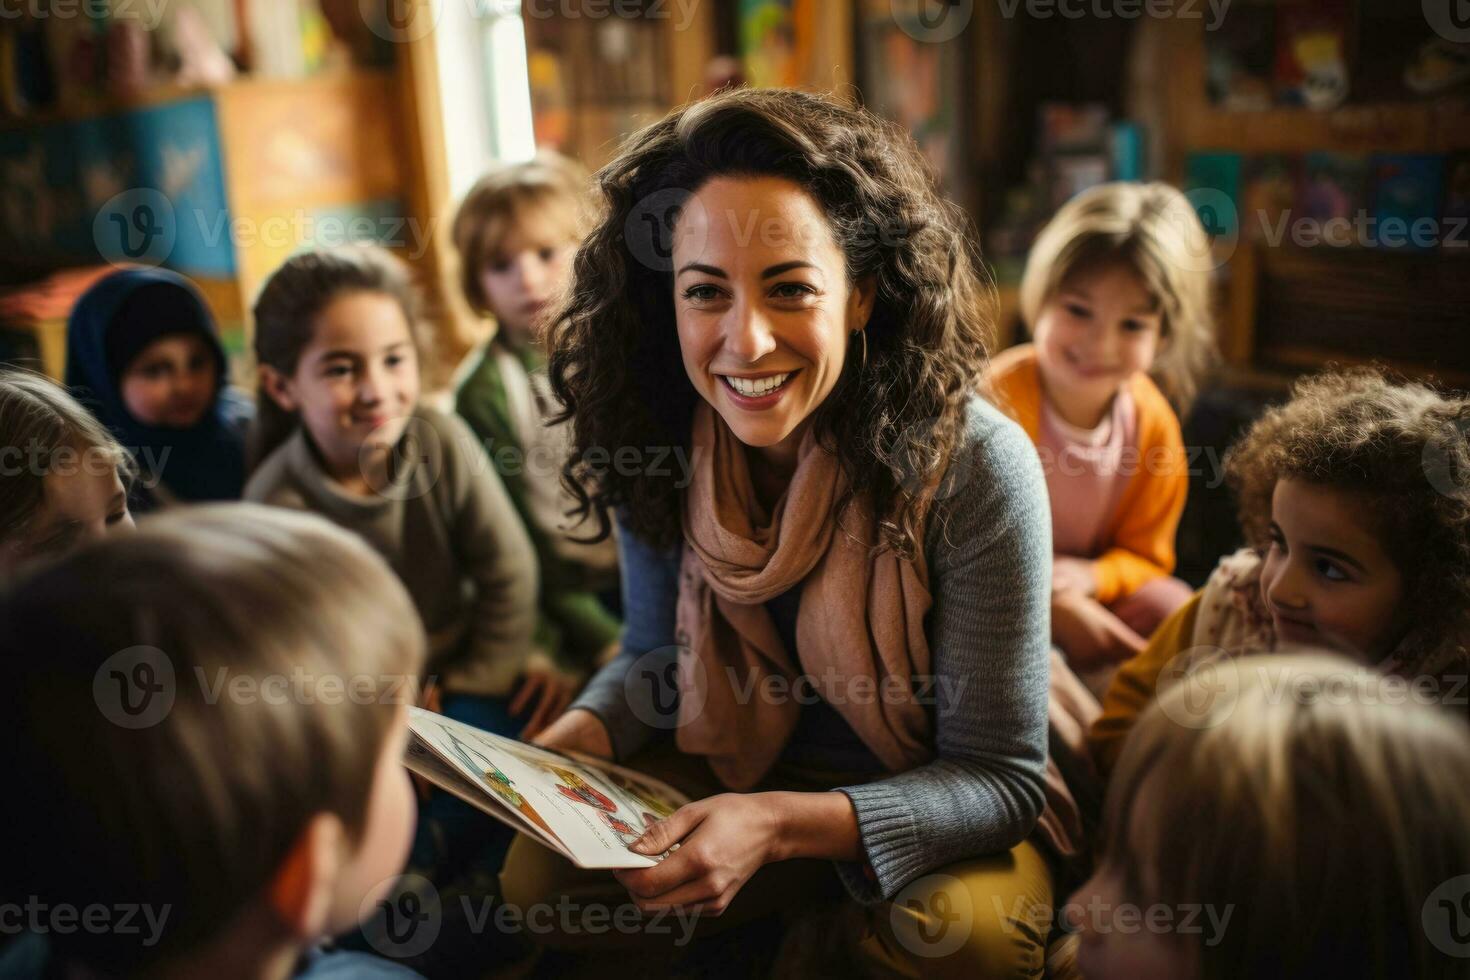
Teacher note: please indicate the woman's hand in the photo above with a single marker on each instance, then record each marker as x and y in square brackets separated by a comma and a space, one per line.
[547, 692]
[579, 730]
[723, 840]
[1089, 634]
[1075, 574]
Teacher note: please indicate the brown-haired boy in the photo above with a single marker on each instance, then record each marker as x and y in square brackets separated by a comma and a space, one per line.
[206, 725]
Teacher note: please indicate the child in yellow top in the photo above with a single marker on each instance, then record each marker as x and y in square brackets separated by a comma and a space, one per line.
[1116, 289]
[1354, 501]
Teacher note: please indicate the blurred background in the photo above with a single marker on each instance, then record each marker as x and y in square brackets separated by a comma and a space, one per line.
[1324, 143]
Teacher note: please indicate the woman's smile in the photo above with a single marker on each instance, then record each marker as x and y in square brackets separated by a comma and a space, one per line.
[757, 392]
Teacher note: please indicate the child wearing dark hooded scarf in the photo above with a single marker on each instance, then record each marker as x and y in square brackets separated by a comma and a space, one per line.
[143, 354]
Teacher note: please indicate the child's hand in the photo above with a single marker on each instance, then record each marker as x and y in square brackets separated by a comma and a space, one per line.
[1074, 574]
[1089, 634]
[547, 692]
[432, 698]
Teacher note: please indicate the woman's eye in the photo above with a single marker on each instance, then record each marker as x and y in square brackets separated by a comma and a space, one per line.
[702, 294]
[792, 290]
[393, 360]
[1133, 326]
[500, 268]
[117, 517]
[1078, 311]
[546, 254]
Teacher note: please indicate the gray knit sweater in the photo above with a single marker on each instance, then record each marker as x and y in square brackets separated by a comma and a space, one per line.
[988, 548]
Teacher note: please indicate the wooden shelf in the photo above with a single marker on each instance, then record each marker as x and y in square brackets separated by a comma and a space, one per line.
[101, 106]
[1429, 127]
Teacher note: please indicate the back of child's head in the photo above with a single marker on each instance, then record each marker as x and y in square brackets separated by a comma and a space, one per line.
[1400, 451]
[292, 300]
[45, 432]
[1309, 800]
[1152, 230]
[548, 192]
[179, 703]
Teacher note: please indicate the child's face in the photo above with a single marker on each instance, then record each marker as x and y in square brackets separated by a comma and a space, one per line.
[369, 873]
[357, 382]
[1100, 329]
[1111, 912]
[1326, 579]
[76, 507]
[172, 382]
[523, 277]
[771, 312]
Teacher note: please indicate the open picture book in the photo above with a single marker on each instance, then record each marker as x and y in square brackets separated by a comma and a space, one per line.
[584, 808]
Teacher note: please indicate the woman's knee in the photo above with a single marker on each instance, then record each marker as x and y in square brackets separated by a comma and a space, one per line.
[987, 917]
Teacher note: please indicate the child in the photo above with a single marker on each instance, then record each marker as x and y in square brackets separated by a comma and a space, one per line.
[1308, 823]
[1113, 292]
[63, 478]
[516, 232]
[188, 773]
[1356, 542]
[343, 434]
[144, 355]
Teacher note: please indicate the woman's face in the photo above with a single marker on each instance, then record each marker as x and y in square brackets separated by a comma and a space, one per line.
[764, 309]
[1326, 579]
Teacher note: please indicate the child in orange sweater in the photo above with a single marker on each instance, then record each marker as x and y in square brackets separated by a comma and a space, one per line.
[1116, 289]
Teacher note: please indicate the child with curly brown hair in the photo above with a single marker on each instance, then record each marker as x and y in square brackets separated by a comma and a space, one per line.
[1355, 500]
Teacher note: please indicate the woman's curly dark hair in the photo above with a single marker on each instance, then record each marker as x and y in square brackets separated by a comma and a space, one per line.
[892, 422]
[1401, 448]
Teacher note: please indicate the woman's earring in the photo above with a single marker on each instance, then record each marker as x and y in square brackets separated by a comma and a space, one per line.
[862, 364]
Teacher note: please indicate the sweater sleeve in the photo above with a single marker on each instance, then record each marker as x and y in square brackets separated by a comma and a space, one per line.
[493, 550]
[1142, 547]
[990, 573]
[635, 694]
[1134, 685]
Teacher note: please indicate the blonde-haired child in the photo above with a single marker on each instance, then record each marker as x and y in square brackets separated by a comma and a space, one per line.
[1304, 821]
[1116, 295]
[189, 772]
[63, 478]
[516, 232]
[343, 433]
[1355, 504]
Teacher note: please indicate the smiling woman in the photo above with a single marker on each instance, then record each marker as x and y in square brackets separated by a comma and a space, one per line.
[852, 583]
